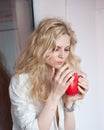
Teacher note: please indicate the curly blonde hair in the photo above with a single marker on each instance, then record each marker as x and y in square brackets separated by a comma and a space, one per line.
[41, 44]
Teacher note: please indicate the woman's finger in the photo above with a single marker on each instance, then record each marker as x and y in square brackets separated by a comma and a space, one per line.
[60, 71]
[82, 90]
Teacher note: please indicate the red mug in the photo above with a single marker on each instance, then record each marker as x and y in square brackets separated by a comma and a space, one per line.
[73, 87]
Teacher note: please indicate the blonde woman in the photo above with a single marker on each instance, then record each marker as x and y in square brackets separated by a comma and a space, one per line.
[42, 75]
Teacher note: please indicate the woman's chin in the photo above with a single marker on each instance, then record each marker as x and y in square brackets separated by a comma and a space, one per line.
[58, 66]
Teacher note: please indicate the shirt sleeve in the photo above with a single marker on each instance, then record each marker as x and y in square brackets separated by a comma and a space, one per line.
[23, 109]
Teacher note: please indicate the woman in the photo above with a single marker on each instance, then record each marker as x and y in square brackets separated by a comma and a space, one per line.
[43, 73]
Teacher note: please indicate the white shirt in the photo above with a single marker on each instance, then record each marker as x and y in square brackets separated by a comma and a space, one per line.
[24, 112]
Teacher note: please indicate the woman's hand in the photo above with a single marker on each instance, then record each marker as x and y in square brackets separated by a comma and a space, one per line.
[82, 87]
[60, 81]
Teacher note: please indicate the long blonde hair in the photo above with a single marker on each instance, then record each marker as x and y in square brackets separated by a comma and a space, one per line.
[40, 45]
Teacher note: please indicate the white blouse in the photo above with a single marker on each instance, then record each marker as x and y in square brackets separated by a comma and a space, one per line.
[24, 112]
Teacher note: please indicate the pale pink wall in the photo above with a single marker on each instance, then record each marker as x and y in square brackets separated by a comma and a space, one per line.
[100, 4]
[49, 8]
[100, 52]
[82, 15]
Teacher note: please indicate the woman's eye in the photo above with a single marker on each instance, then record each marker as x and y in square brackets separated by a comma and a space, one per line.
[66, 49]
[55, 49]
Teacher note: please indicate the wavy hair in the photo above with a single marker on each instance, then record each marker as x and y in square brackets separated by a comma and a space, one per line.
[40, 45]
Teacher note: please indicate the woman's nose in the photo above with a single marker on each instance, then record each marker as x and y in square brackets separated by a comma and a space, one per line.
[61, 54]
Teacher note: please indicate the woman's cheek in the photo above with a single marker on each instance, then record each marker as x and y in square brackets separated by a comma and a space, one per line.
[50, 60]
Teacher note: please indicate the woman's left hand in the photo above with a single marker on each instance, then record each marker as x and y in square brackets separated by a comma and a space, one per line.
[82, 87]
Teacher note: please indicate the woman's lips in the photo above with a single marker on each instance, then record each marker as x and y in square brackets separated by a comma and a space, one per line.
[59, 62]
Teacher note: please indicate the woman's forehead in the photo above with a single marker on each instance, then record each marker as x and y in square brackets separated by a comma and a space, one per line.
[63, 40]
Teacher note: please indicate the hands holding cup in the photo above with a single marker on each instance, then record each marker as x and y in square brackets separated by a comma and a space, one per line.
[70, 84]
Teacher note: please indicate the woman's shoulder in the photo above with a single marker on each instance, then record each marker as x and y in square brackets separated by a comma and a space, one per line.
[20, 77]
[20, 80]
[19, 84]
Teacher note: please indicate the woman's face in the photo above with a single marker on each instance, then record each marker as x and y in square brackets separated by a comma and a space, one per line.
[59, 55]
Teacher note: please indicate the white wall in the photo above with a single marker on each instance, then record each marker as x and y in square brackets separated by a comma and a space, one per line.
[82, 15]
[100, 52]
[48, 8]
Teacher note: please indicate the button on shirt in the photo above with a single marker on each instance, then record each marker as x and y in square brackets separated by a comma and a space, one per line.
[24, 111]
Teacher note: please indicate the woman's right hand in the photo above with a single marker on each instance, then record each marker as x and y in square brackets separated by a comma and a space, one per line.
[61, 80]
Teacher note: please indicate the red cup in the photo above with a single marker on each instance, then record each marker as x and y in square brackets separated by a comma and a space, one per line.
[73, 87]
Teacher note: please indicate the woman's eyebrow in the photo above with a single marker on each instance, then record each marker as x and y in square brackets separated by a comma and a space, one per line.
[61, 46]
